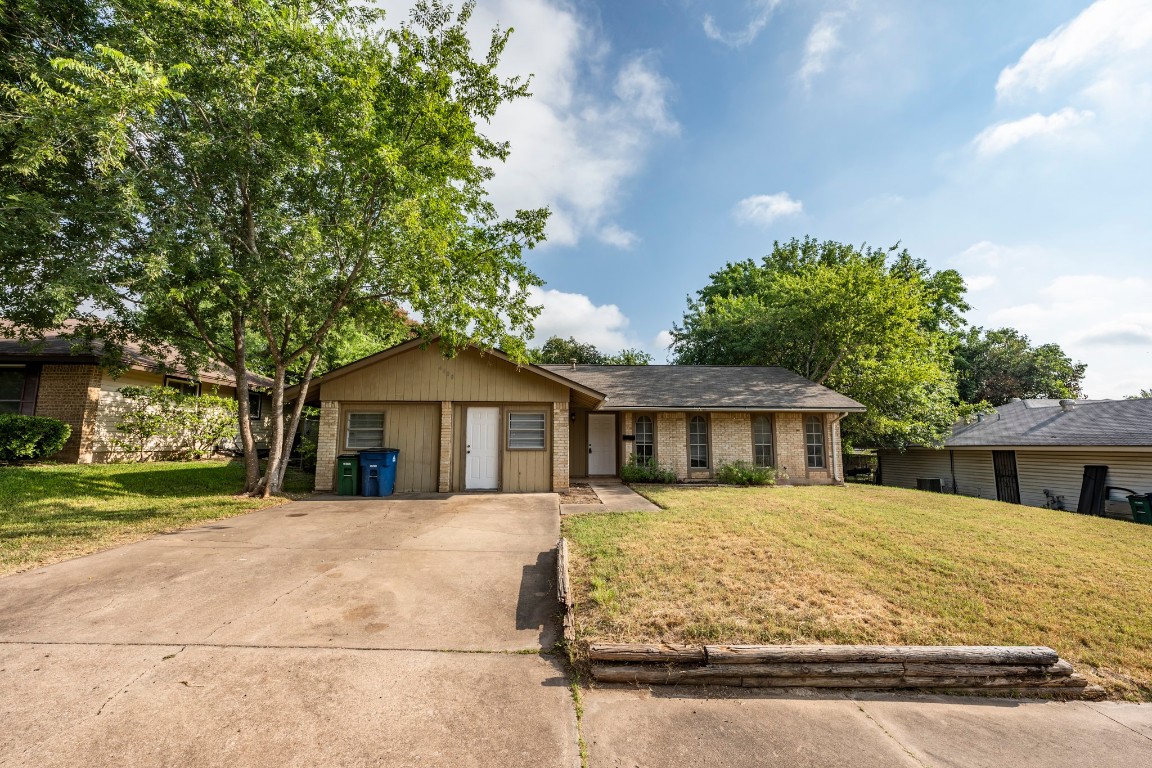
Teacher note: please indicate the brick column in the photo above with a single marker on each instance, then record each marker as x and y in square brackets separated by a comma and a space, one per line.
[445, 482]
[731, 438]
[672, 442]
[791, 453]
[327, 438]
[71, 393]
[560, 443]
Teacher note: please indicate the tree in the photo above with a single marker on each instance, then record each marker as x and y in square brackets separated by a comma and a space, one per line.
[1145, 394]
[870, 323]
[997, 365]
[558, 351]
[209, 173]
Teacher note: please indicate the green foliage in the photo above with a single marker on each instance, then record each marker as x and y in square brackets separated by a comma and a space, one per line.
[876, 325]
[644, 470]
[995, 366]
[1145, 394]
[743, 473]
[31, 438]
[253, 170]
[164, 422]
[558, 351]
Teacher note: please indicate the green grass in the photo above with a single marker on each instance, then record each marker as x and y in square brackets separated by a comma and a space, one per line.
[868, 565]
[50, 513]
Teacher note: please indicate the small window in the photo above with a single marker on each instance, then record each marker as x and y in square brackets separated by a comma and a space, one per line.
[762, 441]
[645, 448]
[365, 430]
[11, 388]
[185, 386]
[814, 440]
[698, 442]
[527, 431]
[255, 406]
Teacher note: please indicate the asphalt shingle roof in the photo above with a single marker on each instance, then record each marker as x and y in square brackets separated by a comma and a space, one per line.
[1045, 423]
[706, 387]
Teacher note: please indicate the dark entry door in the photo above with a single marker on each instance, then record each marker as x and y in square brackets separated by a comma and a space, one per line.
[1007, 483]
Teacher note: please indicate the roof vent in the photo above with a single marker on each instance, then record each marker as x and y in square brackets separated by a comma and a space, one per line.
[1067, 405]
[979, 418]
[572, 362]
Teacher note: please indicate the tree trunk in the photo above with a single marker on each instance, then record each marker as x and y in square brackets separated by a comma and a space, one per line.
[276, 452]
[243, 412]
[276, 474]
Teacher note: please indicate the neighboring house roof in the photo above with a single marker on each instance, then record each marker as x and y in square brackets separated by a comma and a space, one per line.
[705, 388]
[61, 348]
[1046, 423]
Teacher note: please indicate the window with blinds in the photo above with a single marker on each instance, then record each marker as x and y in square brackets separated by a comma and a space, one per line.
[527, 431]
[365, 431]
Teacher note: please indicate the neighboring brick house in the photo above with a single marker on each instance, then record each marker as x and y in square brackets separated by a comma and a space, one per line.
[54, 379]
[480, 421]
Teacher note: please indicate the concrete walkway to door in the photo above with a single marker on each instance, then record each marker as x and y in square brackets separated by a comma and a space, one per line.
[327, 632]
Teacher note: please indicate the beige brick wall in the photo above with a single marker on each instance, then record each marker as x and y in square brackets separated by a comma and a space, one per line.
[731, 438]
[444, 482]
[791, 448]
[327, 439]
[560, 447]
[71, 393]
[672, 442]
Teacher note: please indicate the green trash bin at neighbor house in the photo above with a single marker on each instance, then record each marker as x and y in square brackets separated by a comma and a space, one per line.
[348, 474]
[1141, 508]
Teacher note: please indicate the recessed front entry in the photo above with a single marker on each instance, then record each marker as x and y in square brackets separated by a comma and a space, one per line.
[482, 467]
[601, 444]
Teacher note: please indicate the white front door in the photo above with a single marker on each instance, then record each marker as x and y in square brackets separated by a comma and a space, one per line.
[482, 468]
[601, 444]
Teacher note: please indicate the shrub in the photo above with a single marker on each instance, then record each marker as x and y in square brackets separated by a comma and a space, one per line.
[645, 470]
[743, 473]
[165, 420]
[31, 438]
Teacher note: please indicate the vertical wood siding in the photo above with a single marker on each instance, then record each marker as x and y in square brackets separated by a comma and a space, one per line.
[414, 429]
[424, 375]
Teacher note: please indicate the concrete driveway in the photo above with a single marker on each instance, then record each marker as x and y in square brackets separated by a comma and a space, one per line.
[339, 632]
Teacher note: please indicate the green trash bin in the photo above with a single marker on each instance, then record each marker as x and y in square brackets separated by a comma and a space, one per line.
[348, 474]
[1141, 508]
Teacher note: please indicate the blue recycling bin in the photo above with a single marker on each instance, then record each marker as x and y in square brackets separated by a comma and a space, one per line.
[378, 472]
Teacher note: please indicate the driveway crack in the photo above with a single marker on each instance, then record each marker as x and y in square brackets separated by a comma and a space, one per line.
[889, 734]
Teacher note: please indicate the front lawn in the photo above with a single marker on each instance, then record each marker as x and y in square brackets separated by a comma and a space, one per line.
[868, 565]
[53, 512]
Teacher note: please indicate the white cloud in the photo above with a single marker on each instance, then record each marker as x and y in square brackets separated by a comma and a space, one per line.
[989, 255]
[574, 314]
[765, 209]
[980, 282]
[589, 125]
[1003, 136]
[823, 40]
[663, 340]
[1105, 32]
[618, 237]
[762, 13]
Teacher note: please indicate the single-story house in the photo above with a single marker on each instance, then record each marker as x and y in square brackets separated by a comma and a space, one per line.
[479, 421]
[1034, 452]
[55, 379]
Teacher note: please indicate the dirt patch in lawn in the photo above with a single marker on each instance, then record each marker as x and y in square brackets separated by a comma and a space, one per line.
[868, 565]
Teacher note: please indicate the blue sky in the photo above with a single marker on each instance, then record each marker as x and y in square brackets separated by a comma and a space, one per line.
[1011, 141]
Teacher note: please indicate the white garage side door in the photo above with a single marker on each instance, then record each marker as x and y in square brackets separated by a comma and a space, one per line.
[482, 468]
[601, 444]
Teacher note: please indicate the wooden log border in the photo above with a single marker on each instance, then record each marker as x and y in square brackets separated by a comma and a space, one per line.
[1032, 671]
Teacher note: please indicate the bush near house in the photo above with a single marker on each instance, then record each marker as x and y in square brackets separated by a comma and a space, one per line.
[645, 470]
[165, 422]
[31, 438]
[743, 473]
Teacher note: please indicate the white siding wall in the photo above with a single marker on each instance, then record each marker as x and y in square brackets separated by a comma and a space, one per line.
[1062, 472]
[975, 475]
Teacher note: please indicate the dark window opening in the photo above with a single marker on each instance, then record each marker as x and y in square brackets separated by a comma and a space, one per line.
[645, 448]
[698, 442]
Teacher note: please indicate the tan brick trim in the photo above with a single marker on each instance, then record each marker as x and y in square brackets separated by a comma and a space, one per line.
[444, 482]
[560, 446]
[327, 438]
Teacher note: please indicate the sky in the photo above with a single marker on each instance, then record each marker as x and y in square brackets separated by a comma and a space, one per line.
[1011, 141]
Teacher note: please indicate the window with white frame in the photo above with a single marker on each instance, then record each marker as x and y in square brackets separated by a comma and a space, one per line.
[645, 448]
[527, 431]
[698, 442]
[762, 441]
[365, 431]
[185, 386]
[814, 441]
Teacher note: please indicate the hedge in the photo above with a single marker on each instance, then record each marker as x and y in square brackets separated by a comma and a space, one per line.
[31, 438]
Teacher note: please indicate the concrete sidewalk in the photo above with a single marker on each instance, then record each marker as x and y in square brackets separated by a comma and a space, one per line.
[687, 727]
[350, 632]
[614, 497]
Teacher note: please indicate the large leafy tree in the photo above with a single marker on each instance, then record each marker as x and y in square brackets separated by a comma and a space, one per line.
[874, 324]
[202, 173]
[560, 351]
[997, 365]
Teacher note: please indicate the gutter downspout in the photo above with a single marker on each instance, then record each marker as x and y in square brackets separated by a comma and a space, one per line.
[838, 451]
